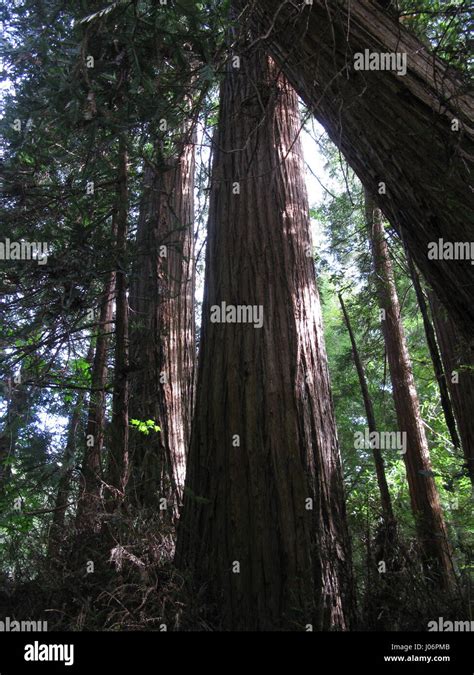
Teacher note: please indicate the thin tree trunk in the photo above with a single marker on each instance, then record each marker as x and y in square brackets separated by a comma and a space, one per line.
[264, 523]
[162, 333]
[91, 473]
[458, 360]
[434, 353]
[56, 533]
[385, 499]
[396, 130]
[118, 452]
[425, 504]
[17, 410]
[177, 276]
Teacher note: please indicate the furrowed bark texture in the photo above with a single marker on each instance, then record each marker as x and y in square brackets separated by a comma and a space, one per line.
[392, 129]
[264, 447]
[425, 504]
[162, 335]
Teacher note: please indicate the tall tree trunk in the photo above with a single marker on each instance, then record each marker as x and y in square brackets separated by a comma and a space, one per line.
[434, 353]
[118, 452]
[177, 277]
[264, 523]
[399, 130]
[385, 500]
[162, 333]
[424, 496]
[91, 473]
[458, 360]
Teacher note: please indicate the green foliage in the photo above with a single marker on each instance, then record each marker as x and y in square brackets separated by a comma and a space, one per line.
[445, 25]
[344, 265]
[145, 427]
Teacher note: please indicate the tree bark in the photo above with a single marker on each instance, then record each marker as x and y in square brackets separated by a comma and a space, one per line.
[264, 524]
[458, 360]
[162, 333]
[392, 129]
[385, 500]
[426, 508]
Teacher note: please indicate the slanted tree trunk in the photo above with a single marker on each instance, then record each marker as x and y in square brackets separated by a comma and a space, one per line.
[263, 523]
[425, 504]
[119, 432]
[397, 130]
[458, 360]
[385, 499]
[91, 472]
[382, 590]
[162, 333]
[434, 353]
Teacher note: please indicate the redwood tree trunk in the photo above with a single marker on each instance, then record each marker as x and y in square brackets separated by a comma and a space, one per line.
[177, 282]
[458, 357]
[264, 448]
[392, 129]
[162, 333]
[431, 529]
